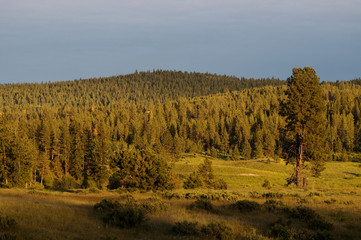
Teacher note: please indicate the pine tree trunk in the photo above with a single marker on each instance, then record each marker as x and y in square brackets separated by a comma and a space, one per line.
[299, 160]
[42, 174]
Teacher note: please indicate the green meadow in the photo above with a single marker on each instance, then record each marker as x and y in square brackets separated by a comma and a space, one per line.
[335, 196]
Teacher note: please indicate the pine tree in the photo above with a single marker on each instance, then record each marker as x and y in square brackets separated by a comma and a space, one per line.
[235, 153]
[23, 153]
[246, 149]
[304, 109]
[258, 143]
[89, 157]
[76, 157]
[44, 142]
[4, 146]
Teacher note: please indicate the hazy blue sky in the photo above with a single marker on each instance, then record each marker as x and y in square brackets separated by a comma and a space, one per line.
[42, 40]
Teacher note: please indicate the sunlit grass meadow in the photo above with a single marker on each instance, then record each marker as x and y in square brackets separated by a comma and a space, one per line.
[336, 196]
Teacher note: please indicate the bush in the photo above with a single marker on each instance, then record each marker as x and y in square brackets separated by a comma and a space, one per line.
[203, 204]
[2, 185]
[303, 213]
[282, 230]
[106, 206]
[154, 205]
[254, 194]
[66, 183]
[126, 216]
[285, 231]
[273, 205]
[120, 215]
[266, 184]
[247, 206]
[204, 176]
[49, 182]
[314, 220]
[217, 230]
[7, 223]
[8, 236]
[319, 224]
[224, 196]
[317, 194]
[272, 195]
[323, 236]
[219, 184]
[331, 201]
[214, 230]
[140, 169]
[186, 228]
[253, 235]
[193, 181]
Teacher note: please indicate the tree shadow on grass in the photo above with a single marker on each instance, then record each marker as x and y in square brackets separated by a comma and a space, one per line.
[353, 174]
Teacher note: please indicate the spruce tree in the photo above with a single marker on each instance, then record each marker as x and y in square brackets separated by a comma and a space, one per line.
[304, 109]
[5, 138]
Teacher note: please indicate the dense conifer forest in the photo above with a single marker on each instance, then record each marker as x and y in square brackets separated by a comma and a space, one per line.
[89, 133]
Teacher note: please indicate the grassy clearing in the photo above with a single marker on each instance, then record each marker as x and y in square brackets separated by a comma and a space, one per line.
[336, 196]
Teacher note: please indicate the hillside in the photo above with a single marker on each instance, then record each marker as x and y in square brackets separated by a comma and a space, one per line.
[68, 145]
[44, 144]
[139, 88]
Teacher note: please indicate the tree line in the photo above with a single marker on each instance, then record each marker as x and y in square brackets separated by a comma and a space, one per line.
[138, 88]
[96, 144]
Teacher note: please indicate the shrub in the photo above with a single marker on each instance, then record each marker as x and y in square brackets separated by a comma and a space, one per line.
[272, 195]
[247, 206]
[323, 236]
[115, 181]
[331, 201]
[214, 230]
[49, 182]
[303, 213]
[106, 206]
[219, 184]
[273, 205]
[214, 152]
[253, 235]
[154, 205]
[314, 220]
[217, 230]
[2, 185]
[266, 184]
[186, 228]
[304, 235]
[311, 194]
[125, 216]
[254, 194]
[350, 202]
[227, 196]
[140, 169]
[282, 230]
[203, 204]
[7, 223]
[319, 224]
[8, 236]
[204, 176]
[120, 215]
[66, 182]
[193, 181]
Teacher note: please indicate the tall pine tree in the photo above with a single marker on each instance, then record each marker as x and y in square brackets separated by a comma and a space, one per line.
[304, 109]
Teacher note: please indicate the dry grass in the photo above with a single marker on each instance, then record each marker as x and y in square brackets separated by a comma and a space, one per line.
[43, 214]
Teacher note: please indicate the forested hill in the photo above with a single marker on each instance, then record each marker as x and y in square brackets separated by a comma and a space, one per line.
[51, 144]
[139, 87]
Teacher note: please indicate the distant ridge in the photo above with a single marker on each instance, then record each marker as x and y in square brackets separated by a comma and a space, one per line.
[139, 87]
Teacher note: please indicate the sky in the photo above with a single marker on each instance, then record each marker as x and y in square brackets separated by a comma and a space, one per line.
[52, 40]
